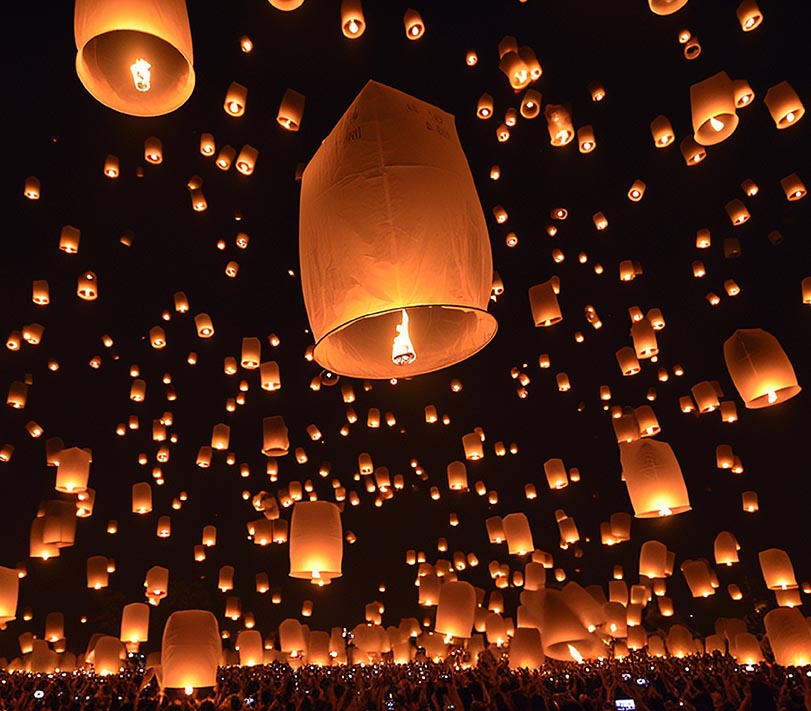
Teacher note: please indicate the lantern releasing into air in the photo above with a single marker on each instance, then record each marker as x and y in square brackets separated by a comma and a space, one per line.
[191, 650]
[316, 541]
[760, 368]
[396, 265]
[135, 56]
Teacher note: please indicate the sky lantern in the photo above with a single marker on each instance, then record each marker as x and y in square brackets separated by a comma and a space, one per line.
[235, 99]
[526, 650]
[134, 624]
[250, 646]
[789, 637]
[784, 105]
[275, 439]
[97, 576]
[456, 609]
[9, 589]
[666, 7]
[559, 123]
[518, 533]
[759, 368]
[286, 5]
[662, 131]
[135, 56]
[699, 577]
[793, 187]
[414, 25]
[654, 479]
[400, 308]
[141, 497]
[749, 15]
[291, 110]
[190, 650]
[316, 541]
[712, 103]
[543, 302]
[778, 572]
[353, 23]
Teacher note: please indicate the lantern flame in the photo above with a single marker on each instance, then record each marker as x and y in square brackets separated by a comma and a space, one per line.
[772, 396]
[141, 74]
[402, 349]
[717, 124]
[575, 654]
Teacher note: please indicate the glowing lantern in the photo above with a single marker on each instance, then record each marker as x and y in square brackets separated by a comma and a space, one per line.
[705, 396]
[516, 70]
[495, 529]
[749, 16]
[204, 326]
[654, 479]
[473, 446]
[414, 26]
[699, 577]
[543, 302]
[789, 637]
[456, 609]
[250, 646]
[235, 99]
[778, 572]
[559, 123]
[87, 287]
[636, 191]
[136, 56]
[518, 533]
[726, 548]
[246, 163]
[747, 649]
[316, 541]
[291, 110]
[526, 650]
[156, 583]
[759, 368]
[653, 559]
[666, 7]
[738, 214]
[9, 590]
[134, 623]
[784, 105]
[644, 337]
[32, 188]
[743, 97]
[691, 151]
[586, 142]
[353, 22]
[712, 102]
[275, 440]
[530, 105]
[191, 650]
[141, 498]
[555, 472]
[97, 576]
[662, 131]
[680, 641]
[793, 187]
[385, 280]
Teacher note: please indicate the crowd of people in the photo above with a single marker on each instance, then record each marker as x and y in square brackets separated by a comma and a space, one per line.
[697, 683]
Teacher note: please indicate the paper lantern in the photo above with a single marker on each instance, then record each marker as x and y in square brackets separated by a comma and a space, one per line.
[316, 541]
[778, 572]
[654, 479]
[456, 609]
[738, 214]
[759, 368]
[108, 655]
[353, 23]
[457, 476]
[414, 26]
[586, 143]
[473, 446]
[87, 286]
[680, 641]
[555, 471]
[793, 187]
[653, 559]
[543, 302]
[662, 131]
[526, 650]
[235, 99]
[784, 105]
[135, 623]
[518, 533]
[135, 56]
[73, 470]
[97, 576]
[141, 498]
[245, 164]
[726, 548]
[388, 307]
[275, 440]
[789, 637]
[515, 68]
[286, 5]
[559, 124]
[747, 649]
[698, 576]
[250, 646]
[191, 650]
[666, 7]
[32, 188]
[749, 15]
[157, 582]
[9, 590]
[712, 103]
[530, 108]
[291, 110]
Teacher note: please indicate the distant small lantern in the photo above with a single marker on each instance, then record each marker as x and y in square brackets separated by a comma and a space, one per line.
[662, 131]
[749, 15]
[235, 99]
[353, 23]
[414, 25]
[291, 110]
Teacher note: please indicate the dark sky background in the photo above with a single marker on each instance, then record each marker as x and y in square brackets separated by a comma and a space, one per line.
[56, 131]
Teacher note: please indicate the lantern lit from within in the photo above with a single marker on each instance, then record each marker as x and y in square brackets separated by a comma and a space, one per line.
[712, 102]
[784, 105]
[654, 478]
[135, 57]
[353, 326]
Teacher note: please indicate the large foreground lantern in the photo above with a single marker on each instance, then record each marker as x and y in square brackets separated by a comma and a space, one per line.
[191, 650]
[316, 541]
[456, 609]
[396, 267]
[760, 368]
[135, 56]
[789, 636]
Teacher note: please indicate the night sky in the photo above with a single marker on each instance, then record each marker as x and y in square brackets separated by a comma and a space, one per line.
[61, 134]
